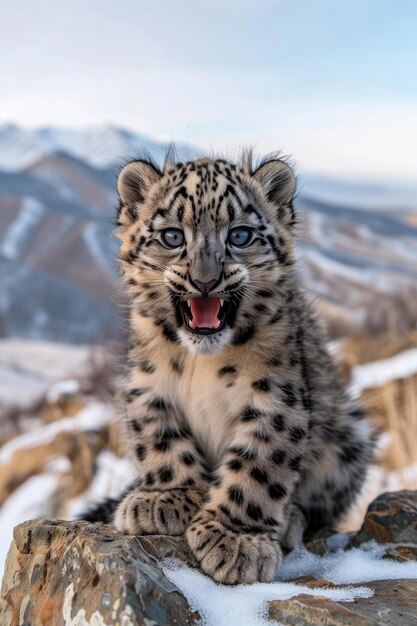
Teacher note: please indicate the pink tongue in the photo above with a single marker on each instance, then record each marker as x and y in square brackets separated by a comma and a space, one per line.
[205, 311]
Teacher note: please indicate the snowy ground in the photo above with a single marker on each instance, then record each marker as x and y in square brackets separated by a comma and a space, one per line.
[221, 605]
[29, 368]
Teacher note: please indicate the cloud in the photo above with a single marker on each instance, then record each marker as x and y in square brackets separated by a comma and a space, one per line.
[157, 100]
[225, 109]
[375, 139]
[220, 76]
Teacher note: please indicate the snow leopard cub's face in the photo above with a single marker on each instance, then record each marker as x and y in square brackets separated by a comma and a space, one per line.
[204, 246]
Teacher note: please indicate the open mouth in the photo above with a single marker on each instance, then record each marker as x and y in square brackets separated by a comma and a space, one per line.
[205, 316]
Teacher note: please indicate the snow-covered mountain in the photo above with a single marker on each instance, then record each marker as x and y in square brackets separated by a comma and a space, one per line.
[99, 146]
[58, 275]
[57, 268]
[105, 146]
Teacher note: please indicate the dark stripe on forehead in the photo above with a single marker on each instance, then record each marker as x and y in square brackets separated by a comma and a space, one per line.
[158, 213]
[251, 209]
[180, 213]
[230, 190]
[182, 191]
[194, 208]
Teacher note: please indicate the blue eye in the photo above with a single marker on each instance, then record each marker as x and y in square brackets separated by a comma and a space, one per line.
[240, 236]
[172, 237]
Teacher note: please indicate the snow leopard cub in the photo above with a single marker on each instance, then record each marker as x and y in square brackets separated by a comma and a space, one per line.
[240, 429]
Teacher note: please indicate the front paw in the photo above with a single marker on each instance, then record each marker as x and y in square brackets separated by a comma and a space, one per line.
[157, 512]
[232, 557]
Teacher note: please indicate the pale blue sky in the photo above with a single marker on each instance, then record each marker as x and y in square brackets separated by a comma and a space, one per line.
[332, 82]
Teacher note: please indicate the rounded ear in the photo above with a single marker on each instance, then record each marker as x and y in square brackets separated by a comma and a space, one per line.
[277, 180]
[135, 180]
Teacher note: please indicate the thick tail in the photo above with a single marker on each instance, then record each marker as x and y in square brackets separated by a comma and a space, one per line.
[102, 511]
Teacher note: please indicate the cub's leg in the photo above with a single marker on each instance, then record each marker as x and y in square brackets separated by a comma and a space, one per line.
[296, 526]
[336, 469]
[170, 488]
[236, 535]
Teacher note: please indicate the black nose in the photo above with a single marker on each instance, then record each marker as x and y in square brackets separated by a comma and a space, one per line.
[205, 287]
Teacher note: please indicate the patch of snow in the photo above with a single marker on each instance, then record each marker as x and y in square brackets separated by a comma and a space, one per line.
[20, 230]
[28, 368]
[112, 477]
[223, 605]
[47, 359]
[358, 565]
[378, 373]
[335, 347]
[94, 417]
[62, 388]
[18, 389]
[59, 465]
[29, 501]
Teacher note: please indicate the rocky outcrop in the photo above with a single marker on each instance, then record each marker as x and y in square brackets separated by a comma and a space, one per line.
[80, 574]
[390, 518]
[305, 610]
[394, 603]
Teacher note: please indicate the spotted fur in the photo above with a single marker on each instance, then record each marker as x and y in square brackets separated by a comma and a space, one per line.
[244, 437]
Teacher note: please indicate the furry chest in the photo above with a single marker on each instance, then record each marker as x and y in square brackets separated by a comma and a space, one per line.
[210, 406]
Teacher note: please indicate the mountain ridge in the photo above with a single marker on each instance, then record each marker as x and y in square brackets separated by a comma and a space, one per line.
[97, 145]
[105, 146]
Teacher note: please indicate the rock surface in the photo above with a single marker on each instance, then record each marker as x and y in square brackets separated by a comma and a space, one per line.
[81, 574]
[305, 610]
[394, 603]
[390, 518]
